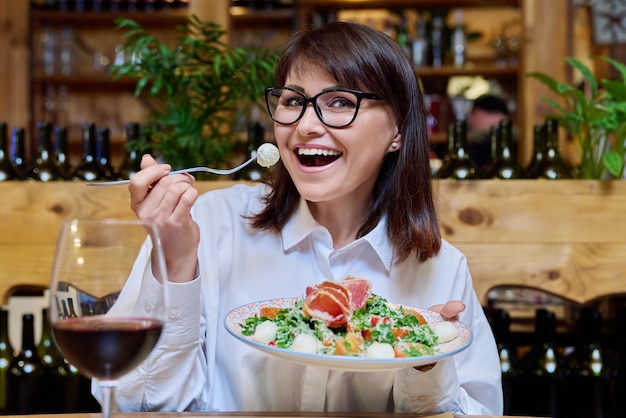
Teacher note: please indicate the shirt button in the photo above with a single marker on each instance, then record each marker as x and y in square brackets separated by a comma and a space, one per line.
[173, 315]
[147, 307]
[422, 398]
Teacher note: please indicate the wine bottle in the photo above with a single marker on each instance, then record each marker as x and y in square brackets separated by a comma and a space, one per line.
[88, 168]
[26, 374]
[62, 390]
[18, 153]
[444, 169]
[436, 49]
[130, 164]
[458, 40]
[618, 382]
[544, 371]
[509, 361]
[539, 150]
[43, 168]
[61, 153]
[588, 374]
[461, 166]
[6, 358]
[505, 166]
[552, 166]
[6, 168]
[103, 153]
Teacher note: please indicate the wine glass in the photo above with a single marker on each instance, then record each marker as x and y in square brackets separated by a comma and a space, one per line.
[94, 320]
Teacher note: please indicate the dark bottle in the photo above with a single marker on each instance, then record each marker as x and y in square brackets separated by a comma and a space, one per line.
[437, 46]
[552, 166]
[43, 168]
[444, 170]
[461, 166]
[402, 37]
[25, 381]
[88, 168]
[130, 164]
[61, 393]
[494, 151]
[61, 153]
[588, 374]
[505, 165]
[18, 153]
[509, 361]
[618, 381]
[103, 152]
[543, 382]
[253, 171]
[6, 168]
[539, 150]
[6, 358]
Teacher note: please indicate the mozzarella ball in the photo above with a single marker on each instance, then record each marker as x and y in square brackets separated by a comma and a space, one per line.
[380, 350]
[267, 155]
[445, 331]
[265, 332]
[305, 343]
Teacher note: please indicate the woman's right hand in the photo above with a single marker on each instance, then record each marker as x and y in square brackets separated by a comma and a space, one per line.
[165, 201]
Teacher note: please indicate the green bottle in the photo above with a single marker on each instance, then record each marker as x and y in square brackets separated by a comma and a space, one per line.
[6, 358]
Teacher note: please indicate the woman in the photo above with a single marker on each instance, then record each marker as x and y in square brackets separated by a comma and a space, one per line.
[351, 196]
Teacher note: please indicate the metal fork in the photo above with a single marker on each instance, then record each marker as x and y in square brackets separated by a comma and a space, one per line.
[184, 170]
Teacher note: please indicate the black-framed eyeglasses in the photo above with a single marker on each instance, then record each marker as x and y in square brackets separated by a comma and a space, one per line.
[336, 108]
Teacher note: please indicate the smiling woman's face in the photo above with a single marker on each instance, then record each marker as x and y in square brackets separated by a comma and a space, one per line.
[329, 163]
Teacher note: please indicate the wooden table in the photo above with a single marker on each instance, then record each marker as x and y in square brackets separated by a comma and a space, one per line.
[260, 415]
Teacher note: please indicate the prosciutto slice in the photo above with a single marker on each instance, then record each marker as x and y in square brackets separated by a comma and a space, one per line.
[334, 302]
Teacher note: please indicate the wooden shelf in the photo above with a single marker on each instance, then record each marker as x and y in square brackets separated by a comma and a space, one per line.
[469, 70]
[245, 15]
[158, 18]
[404, 4]
[95, 81]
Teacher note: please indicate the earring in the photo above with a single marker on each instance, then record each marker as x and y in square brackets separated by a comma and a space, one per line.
[394, 145]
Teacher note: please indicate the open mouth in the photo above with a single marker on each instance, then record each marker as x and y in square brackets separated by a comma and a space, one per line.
[316, 157]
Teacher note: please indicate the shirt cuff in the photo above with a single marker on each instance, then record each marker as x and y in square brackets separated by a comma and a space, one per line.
[432, 391]
[182, 321]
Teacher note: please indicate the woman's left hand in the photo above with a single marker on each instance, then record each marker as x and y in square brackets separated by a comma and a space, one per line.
[450, 310]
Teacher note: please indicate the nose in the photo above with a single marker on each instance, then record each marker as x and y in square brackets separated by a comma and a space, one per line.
[310, 123]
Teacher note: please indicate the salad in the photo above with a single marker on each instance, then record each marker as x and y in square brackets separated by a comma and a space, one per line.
[376, 329]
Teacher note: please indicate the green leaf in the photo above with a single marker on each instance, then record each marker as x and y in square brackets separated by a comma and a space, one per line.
[616, 89]
[613, 162]
[587, 74]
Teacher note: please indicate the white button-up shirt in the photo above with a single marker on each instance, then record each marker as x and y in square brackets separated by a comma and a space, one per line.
[198, 365]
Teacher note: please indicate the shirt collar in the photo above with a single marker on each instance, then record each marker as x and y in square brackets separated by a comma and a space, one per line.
[302, 225]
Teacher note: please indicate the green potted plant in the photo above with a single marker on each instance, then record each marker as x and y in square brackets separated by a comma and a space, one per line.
[198, 90]
[596, 120]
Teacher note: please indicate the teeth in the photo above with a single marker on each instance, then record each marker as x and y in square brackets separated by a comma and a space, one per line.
[317, 151]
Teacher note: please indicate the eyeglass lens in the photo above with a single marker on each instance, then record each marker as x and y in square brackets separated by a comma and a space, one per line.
[335, 108]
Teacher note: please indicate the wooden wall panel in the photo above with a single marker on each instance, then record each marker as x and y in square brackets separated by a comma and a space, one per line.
[14, 63]
[565, 237]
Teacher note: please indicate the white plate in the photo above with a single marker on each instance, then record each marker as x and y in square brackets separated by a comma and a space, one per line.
[239, 315]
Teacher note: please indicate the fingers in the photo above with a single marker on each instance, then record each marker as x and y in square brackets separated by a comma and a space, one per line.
[449, 310]
[142, 182]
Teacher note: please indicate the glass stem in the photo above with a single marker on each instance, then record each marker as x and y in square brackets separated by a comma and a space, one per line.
[108, 397]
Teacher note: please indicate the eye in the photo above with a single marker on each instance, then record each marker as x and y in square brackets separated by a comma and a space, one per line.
[338, 101]
[290, 99]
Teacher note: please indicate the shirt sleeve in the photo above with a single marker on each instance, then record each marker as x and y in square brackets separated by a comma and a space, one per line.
[468, 382]
[173, 376]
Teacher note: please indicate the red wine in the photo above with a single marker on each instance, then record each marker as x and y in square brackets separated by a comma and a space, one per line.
[106, 347]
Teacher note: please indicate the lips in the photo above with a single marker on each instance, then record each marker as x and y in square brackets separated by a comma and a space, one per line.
[317, 157]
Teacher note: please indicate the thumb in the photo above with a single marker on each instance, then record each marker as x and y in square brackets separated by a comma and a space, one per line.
[450, 310]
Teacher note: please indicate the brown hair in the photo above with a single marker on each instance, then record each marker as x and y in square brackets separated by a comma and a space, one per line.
[363, 58]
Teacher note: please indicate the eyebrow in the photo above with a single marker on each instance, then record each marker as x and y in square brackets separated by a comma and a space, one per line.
[327, 89]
